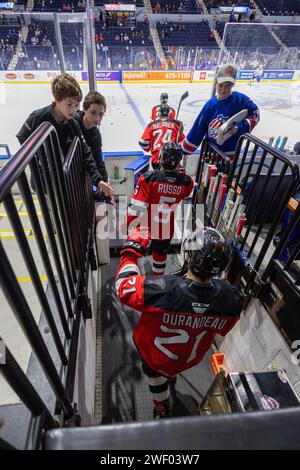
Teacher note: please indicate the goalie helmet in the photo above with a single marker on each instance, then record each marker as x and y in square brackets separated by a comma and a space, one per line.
[164, 98]
[206, 253]
[164, 110]
[170, 156]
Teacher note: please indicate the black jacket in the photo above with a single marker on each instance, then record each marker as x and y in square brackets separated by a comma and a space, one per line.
[66, 131]
[94, 140]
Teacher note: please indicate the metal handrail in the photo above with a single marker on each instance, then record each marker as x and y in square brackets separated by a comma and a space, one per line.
[243, 174]
[51, 177]
[17, 164]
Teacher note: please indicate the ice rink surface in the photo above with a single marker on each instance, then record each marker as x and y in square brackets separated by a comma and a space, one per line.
[129, 108]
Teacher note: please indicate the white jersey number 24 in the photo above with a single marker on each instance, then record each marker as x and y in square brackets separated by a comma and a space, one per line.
[164, 140]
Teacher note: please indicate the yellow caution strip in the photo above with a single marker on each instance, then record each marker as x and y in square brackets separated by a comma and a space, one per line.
[28, 278]
[19, 202]
[10, 234]
[21, 214]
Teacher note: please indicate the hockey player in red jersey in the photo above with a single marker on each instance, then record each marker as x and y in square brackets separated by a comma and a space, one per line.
[180, 316]
[155, 200]
[155, 111]
[159, 132]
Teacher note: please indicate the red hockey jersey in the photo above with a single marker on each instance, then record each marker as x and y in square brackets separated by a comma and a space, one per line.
[155, 111]
[158, 133]
[179, 317]
[155, 200]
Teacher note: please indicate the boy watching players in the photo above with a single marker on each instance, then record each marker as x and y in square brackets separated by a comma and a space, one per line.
[67, 96]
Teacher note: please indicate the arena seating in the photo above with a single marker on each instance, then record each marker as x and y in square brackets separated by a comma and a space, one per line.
[59, 5]
[40, 50]
[9, 35]
[127, 47]
[177, 6]
[279, 7]
[236, 38]
[186, 34]
[289, 35]
[188, 45]
[185, 45]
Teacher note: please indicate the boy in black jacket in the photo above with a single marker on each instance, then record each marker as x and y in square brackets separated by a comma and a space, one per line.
[67, 96]
[94, 108]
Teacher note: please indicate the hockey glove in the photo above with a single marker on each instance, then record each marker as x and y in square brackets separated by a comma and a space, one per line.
[137, 242]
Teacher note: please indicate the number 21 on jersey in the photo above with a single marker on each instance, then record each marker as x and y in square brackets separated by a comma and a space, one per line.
[179, 337]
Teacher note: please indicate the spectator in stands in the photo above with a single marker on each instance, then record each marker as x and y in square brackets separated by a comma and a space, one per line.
[218, 110]
[157, 9]
[67, 96]
[94, 108]
[212, 35]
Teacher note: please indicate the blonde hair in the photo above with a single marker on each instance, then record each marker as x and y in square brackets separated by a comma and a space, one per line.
[65, 86]
[93, 97]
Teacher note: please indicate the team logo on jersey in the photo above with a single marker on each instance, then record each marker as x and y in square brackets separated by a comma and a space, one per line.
[199, 307]
[170, 179]
[215, 124]
[269, 403]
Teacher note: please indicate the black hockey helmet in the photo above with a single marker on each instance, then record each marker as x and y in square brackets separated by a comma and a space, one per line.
[164, 98]
[206, 252]
[164, 110]
[170, 156]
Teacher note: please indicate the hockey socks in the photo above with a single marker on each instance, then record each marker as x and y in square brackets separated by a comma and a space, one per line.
[159, 262]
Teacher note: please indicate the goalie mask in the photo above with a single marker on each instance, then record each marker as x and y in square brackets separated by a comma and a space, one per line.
[164, 98]
[170, 156]
[164, 110]
[206, 253]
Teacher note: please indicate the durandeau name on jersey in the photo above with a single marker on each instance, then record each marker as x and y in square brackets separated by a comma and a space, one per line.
[175, 330]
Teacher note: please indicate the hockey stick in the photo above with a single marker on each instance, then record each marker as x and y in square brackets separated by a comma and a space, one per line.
[184, 96]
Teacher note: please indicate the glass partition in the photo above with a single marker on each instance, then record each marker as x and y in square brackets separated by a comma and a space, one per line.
[268, 61]
[253, 45]
[29, 41]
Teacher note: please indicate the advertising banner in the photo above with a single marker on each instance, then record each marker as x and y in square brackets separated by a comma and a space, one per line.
[203, 75]
[245, 74]
[102, 76]
[267, 75]
[278, 74]
[297, 75]
[46, 76]
[32, 76]
[155, 76]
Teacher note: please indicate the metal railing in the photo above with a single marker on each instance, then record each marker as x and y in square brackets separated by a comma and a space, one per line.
[286, 255]
[255, 185]
[64, 196]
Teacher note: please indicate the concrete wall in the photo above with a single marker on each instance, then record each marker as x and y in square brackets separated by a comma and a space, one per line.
[255, 344]
[84, 390]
